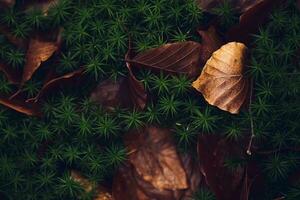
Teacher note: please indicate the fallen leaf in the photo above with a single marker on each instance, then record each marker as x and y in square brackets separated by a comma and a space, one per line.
[12, 76]
[21, 106]
[167, 174]
[175, 58]
[44, 5]
[101, 193]
[298, 4]
[222, 81]
[210, 43]
[226, 183]
[39, 50]
[7, 3]
[57, 81]
[237, 5]
[250, 21]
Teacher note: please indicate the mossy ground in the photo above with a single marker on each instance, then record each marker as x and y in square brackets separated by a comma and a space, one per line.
[80, 135]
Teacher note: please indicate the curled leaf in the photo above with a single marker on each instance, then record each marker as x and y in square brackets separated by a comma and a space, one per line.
[21, 106]
[13, 77]
[251, 20]
[238, 5]
[222, 81]
[101, 193]
[39, 50]
[210, 43]
[175, 58]
[56, 82]
[167, 175]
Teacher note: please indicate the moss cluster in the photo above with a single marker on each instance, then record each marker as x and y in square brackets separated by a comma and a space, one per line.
[36, 154]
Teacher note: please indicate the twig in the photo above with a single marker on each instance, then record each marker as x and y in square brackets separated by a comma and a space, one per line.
[279, 198]
[251, 120]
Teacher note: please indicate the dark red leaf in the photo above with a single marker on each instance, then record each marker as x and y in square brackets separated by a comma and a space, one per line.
[210, 43]
[56, 82]
[227, 184]
[250, 22]
[12, 76]
[20, 106]
[175, 58]
[166, 174]
[238, 5]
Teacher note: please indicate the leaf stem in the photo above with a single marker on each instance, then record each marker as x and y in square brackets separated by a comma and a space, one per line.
[251, 120]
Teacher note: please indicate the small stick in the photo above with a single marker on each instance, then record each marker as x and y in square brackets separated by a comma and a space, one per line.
[251, 121]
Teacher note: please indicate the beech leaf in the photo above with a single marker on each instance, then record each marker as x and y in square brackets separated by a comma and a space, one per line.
[210, 43]
[39, 50]
[222, 81]
[21, 106]
[251, 20]
[7, 3]
[225, 182]
[154, 169]
[101, 193]
[55, 82]
[238, 5]
[175, 58]
[44, 6]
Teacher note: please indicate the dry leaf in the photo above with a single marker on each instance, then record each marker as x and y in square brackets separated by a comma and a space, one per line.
[57, 81]
[166, 174]
[154, 146]
[224, 182]
[175, 58]
[39, 50]
[13, 77]
[222, 81]
[44, 6]
[101, 193]
[251, 20]
[21, 106]
[238, 5]
[210, 43]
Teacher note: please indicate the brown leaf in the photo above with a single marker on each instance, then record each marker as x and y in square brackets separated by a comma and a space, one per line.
[55, 82]
[250, 21]
[39, 50]
[222, 81]
[226, 183]
[12, 76]
[44, 5]
[101, 193]
[238, 5]
[166, 174]
[210, 43]
[175, 58]
[21, 106]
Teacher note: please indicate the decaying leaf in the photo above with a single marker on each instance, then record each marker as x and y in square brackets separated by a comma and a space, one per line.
[166, 174]
[44, 6]
[175, 58]
[21, 106]
[154, 146]
[56, 82]
[13, 77]
[101, 193]
[238, 5]
[222, 81]
[251, 20]
[226, 183]
[210, 43]
[39, 50]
